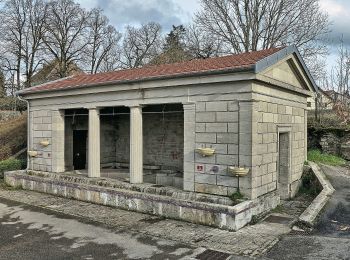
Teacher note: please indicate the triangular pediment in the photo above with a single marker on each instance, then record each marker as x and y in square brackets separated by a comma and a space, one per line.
[288, 71]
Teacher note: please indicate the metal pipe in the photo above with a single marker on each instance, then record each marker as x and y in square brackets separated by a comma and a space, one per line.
[239, 126]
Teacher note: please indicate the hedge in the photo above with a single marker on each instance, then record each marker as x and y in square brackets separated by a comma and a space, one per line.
[10, 165]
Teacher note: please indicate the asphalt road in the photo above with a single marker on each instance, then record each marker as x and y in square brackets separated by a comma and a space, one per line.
[331, 237]
[33, 233]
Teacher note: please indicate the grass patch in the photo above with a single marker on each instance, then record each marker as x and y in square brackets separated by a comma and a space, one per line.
[278, 209]
[318, 157]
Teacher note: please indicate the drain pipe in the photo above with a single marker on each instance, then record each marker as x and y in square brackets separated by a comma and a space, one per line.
[28, 132]
[239, 132]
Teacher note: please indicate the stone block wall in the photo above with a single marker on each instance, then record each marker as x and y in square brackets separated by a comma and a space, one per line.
[163, 140]
[273, 117]
[41, 129]
[216, 126]
[108, 140]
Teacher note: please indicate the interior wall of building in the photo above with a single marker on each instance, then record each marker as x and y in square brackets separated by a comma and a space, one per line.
[162, 140]
[108, 139]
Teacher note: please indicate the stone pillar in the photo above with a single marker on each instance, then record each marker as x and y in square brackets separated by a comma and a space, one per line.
[94, 143]
[189, 145]
[58, 164]
[136, 145]
[247, 140]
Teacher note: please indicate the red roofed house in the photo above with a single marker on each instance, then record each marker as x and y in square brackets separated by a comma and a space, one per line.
[172, 139]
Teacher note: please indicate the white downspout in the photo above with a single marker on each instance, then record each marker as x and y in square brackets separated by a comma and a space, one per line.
[28, 132]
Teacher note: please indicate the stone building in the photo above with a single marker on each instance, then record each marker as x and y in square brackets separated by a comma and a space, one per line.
[151, 125]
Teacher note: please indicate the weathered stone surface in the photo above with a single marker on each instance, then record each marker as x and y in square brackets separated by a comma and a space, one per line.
[218, 215]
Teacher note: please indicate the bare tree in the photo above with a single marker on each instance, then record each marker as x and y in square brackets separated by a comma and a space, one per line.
[248, 25]
[141, 45]
[202, 44]
[2, 84]
[32, 49]
[12, 26]
[21, 33]
[66, 34]
[340, 74]
[102, 52]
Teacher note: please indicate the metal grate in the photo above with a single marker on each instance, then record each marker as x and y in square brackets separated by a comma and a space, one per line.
[212, 255]
[278, 219]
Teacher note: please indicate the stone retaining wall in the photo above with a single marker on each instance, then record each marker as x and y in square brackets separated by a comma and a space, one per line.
[221, 216]
[330, 141]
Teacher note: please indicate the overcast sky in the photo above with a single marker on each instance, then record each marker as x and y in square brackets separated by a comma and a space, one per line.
[169, 12]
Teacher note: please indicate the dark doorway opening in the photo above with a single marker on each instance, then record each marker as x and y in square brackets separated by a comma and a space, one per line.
[79, 149]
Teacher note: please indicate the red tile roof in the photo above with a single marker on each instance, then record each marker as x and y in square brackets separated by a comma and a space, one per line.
[197, 66]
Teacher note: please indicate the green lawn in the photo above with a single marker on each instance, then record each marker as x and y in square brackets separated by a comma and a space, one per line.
[318, 157]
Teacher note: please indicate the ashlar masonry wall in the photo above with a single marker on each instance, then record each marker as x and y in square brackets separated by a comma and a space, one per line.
[216, 127]
[40, 127]
[46, 125]
[283, 113]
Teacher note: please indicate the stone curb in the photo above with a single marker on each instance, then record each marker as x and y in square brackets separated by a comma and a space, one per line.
[308, 217]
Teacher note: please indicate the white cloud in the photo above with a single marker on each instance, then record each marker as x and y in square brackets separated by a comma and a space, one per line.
[333, 8]
[135, 12]
[88, 4]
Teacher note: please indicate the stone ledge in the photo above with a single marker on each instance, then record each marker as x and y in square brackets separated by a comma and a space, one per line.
[309, 216]
[216, 215]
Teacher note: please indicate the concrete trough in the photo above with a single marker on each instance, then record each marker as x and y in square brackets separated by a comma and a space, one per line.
[169, 205]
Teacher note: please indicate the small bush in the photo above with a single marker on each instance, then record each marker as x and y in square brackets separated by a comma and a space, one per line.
[317, 156]
[10, 165]
[309, 184]
[236, 196]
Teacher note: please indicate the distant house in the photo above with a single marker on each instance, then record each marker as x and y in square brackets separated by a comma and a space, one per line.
[325, 100]
[50, 72]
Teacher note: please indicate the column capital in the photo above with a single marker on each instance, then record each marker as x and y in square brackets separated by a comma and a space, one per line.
[93, 108]
[136, 106]
[189, 105]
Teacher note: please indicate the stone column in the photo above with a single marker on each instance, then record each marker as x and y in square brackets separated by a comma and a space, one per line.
[136, 145]
[94, 143]
[189, 145]
[248, 121]
[57, 132]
